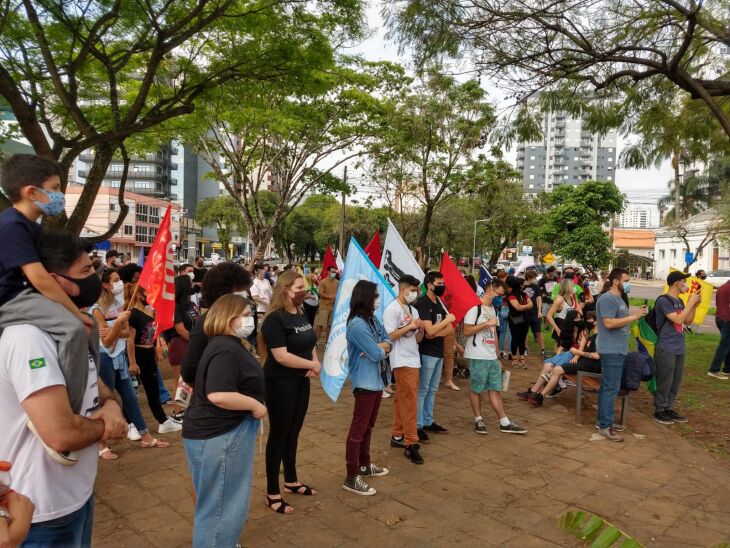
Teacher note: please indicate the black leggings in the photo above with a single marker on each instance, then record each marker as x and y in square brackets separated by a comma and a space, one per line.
[148, 375]
[287, 399]
[519, 336]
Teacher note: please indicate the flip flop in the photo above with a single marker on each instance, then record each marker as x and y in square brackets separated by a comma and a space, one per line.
[108, 454]
[154, 443]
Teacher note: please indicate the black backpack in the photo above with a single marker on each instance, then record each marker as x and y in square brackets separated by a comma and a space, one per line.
[651, 317]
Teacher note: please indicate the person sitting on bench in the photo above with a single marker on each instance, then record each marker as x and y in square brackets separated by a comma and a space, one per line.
[584, 358]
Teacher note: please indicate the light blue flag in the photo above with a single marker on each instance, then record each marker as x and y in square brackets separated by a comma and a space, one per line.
[140, 257]
[357, 267]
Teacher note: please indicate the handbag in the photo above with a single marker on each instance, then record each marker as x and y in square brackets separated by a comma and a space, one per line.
[385, 368]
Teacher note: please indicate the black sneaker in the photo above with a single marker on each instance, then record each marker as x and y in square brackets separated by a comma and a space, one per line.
[509, 357]
[413, 455]
[663, 417]
[524, 395]
[555, 391]
[422, 436]
[535, 400]
[397, 442]
[179, 416]
[434, 427]
[373, 470]
[480, 427]
[512, 428]
[676, 417]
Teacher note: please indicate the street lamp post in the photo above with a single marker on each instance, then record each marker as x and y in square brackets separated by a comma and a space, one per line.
[474, 243]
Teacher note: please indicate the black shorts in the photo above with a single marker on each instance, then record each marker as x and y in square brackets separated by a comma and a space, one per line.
[584, 364]
[535, 324]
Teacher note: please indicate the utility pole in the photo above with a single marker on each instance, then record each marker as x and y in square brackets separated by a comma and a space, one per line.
[342, 217]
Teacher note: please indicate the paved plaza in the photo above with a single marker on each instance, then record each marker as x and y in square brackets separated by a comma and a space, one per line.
[494, 490]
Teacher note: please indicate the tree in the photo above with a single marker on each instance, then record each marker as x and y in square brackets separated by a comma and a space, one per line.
[289, 139]
[297, 235]
[433, 130]
[595, 48]
[574, 223]
[87, 75]
[223, 214]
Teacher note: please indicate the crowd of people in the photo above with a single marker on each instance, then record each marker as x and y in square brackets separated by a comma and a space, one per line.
[245, 344]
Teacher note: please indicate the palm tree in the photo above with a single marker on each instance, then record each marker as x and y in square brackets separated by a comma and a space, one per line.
[693, 194]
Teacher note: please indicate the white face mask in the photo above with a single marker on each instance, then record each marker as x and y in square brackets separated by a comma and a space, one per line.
[243, 294]
[333, 275]
[118, 287]
[376, 304]
[246, 327]
[411, 297]
[191, 275]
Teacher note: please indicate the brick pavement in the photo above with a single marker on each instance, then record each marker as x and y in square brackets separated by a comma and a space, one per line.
[494, 490]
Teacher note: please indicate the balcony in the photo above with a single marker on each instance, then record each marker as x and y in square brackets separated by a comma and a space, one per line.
[174, 150]
[173, 165]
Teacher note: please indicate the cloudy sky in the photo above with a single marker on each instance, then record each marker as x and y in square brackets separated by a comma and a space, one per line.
[642, 187]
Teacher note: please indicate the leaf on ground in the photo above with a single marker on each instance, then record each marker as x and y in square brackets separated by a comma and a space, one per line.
[595, 437]
[640, 436]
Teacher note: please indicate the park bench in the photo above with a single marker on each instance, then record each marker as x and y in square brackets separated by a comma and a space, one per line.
[592, 381]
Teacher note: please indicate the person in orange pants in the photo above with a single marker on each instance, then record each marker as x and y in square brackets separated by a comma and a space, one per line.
[449, 361]
[405, 330]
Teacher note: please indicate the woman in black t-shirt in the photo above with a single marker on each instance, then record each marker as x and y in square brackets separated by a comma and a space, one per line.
[289, 344]
[219, 433]
[141, 354]
[186, 316]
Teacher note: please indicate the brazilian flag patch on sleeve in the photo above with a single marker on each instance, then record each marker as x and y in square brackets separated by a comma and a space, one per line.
[37, 363]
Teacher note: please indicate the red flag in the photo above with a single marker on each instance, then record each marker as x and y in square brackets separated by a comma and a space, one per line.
[459, 297]
[329, 260]
[372, 250]
[158, 277]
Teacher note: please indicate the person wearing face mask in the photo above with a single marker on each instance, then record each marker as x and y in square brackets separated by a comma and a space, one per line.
[671, 317]
[327, 294]
[186, 316]
[405, 330]
[288, 344]
[141, 354]
[221, 422]
[437, 324]
[367, 346]
[111, 260]
[113, 369]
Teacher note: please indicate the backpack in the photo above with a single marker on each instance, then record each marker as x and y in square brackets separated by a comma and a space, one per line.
[651, 318]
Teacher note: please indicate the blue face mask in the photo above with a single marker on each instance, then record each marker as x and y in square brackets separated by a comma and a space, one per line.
[627, 287]
[497, 301]
[56, 204]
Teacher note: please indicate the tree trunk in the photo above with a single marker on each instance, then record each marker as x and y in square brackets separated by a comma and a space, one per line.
[425, 227]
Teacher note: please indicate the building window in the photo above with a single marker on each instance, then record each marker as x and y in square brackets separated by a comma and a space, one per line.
[128, 230]
[154, 215]
[674, 253]
[532, 176]
[141, 234]
[661, 253]
[532, 157]
[112, 207]
[142, 212]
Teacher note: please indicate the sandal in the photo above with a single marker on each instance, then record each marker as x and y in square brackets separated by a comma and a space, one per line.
[521, 364]
[515, 363]
[297, 490]
[154, 443]
[283, 505]
[108, 454]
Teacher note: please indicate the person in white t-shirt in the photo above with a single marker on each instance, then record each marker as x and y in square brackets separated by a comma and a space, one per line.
[261, 291]
[52, 448]
[405, 331]
[480, 348]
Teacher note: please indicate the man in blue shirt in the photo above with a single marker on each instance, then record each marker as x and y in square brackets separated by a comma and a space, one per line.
[613, 318]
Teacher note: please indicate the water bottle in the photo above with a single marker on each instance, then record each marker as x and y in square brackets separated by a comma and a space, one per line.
[4, 481]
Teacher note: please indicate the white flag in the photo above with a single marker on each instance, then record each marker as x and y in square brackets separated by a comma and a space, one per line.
[397, 259]
[340, 262]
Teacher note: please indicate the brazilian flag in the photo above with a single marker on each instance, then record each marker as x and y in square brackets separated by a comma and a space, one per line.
[646, 340]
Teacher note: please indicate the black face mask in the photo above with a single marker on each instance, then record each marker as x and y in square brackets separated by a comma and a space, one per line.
[439, 290]
[89, 290]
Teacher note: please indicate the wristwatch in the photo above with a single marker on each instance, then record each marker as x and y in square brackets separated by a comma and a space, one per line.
[5, 515]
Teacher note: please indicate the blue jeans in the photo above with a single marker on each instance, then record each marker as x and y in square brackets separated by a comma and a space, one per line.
[130, 404]
[70, 531]
[612, 367]
[164, 394]
[504, 330]
[722, 354]
[222, 472]
[428, 385]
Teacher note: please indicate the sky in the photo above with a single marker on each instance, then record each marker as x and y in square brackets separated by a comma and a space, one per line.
[642, 187]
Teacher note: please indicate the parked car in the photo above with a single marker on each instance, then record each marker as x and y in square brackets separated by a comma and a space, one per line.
[718, 277]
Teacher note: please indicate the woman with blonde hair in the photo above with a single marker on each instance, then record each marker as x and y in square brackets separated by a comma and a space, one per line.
[562, 304]
[288, 342]
[219, 432]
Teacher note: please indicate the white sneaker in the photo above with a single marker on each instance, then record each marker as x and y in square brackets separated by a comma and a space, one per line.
[133, 433]
[169, 426]
[718, 375]
[386, 394]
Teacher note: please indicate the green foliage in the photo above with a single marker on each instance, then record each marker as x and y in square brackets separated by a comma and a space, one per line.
[574, 223]
[223, 214]
[595, 530]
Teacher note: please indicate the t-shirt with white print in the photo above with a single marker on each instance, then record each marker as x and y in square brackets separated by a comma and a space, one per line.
[405, 350]
[29, 363]
[483, 345]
